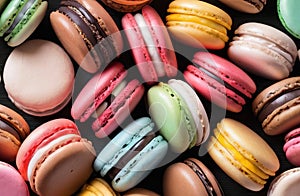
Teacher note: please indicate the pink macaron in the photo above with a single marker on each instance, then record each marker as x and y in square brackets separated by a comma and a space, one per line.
[55, 159]
[150, 44]
[11, 182]
[220, 81]
[292, 146]
[108, 98]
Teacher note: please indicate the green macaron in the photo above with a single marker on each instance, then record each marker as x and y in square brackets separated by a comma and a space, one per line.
[20, 18]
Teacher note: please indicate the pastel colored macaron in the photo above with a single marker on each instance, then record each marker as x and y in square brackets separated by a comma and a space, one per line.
[252, 7]
[126, 5]
[194, 179]
[55, 155]
[198, 24]
[20, 18]
[288, 13]
[275, 51]
[292, 147]
[38, 77]
[242, 154]
[131, 155]
[140, 192]
[150, 44]
[179, 114]
[93, 40]
[95, 187]
[108, 98]
[11, 182]
[13, 130]
[220, 81]
[287, 183]
[277, 108]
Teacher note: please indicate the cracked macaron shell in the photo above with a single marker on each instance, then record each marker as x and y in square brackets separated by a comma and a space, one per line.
[285, 114]
[242, 154]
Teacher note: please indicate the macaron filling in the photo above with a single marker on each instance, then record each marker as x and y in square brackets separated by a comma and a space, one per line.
[91, 30]
[202, 176]
[276, 102]
[7, 127]
[150, 44]
[130, 154]
[127, 93]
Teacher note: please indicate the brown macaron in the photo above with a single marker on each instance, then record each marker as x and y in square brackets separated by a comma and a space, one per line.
[87, 32]
[13, 130]
[126, 5]
[278, 106]
[190, 177]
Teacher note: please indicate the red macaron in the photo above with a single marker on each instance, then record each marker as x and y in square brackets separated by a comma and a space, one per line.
[108, 98]
[150, 44]
[220, 81]
[55, 155]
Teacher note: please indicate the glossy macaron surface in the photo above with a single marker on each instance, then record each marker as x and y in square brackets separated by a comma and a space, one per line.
[242, 154]
[277, 108]
[198, 24]
[274, 49]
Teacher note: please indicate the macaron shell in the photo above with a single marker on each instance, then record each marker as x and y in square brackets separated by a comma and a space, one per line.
[23, 31]
[190, 183]
[251, 7]
[11, 181]
[292, 151]
[288, 13]
[28, 82]
[140, 192]
[126, 5]
[66, 169]
[287, 183]
[9, 146]
[119, 109]
[62, 26]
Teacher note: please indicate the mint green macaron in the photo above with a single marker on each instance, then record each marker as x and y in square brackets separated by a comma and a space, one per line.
[20, 18]
[289, 15]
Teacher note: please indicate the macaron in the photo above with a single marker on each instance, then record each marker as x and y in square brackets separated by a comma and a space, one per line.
[95, 187]
[150, 44]
[20, 18]
[13, 130]
[292, 147]
[131, 155]
[140, 192]
[55, 159]
[194, 179]
[288, 13]
[242, 154]
[198, 24]
[93, 40]
[275, 51]
[220, 81]
[38, 77]
[179, 114]
[277, 108]
[287, 183]
[11, 182]
[127, 5]
[109, 98]
[251, 7]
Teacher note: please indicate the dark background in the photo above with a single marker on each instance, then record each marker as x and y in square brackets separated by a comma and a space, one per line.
[154, 180]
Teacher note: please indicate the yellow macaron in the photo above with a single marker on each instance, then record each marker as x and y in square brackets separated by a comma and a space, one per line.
[242, 154]
[97, 187]
[198, 24]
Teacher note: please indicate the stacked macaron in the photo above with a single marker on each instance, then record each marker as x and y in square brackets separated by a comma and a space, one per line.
[20, 18]
[179, 114]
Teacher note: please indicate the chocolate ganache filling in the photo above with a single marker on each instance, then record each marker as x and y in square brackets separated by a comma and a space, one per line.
[276, 102]
[6, 126]
[111, 174]
[95, 36]
[204, 179]
[218, 79]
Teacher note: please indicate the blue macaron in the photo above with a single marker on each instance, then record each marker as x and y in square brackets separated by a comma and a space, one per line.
[131, 155]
